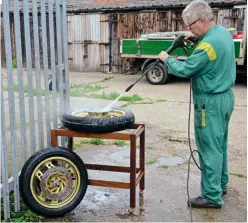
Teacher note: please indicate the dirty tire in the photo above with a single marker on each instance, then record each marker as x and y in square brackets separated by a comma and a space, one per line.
[99, 125]
[31, 186]
[158, 74]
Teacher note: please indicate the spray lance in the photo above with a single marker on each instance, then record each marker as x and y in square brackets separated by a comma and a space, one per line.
[177, 42]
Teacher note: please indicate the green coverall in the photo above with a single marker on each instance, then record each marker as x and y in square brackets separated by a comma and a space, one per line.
[212, 70]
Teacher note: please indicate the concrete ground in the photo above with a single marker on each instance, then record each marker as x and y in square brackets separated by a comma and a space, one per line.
[167, 153]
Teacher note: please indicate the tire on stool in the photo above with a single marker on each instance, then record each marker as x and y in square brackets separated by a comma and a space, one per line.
[117, 120]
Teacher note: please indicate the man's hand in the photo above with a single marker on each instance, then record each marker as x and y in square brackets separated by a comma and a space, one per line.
[163, 56]
[189, 36]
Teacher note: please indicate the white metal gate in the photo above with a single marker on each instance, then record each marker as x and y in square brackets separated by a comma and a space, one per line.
[28, 109]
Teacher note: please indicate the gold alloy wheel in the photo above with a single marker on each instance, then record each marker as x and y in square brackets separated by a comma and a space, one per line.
[55, 182]
[113, 113]
[98, 120]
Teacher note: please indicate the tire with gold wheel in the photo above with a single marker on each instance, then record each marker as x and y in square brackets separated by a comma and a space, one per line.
[99, 121]
[53, 181]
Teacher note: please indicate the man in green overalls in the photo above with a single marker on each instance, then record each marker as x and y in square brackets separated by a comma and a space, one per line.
[212, 70]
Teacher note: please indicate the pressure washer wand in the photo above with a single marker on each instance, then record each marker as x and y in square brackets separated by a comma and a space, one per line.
[178, 42]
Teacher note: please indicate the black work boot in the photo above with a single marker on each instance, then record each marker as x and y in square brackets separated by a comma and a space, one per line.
[200, 202]
[225, 191]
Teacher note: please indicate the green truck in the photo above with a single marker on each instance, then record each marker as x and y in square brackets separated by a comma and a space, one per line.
[145, 51]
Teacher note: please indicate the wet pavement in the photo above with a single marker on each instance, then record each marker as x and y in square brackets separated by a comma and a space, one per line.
[164, 198]
[167, 154]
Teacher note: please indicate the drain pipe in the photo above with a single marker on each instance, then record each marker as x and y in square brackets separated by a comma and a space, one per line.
[112, 20]
[110, 42]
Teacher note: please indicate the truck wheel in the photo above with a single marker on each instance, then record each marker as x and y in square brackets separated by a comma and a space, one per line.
[53, 181]
[115, 120]
[146, 63]
[158, 74]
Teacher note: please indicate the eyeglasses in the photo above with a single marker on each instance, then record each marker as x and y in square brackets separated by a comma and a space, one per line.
[193, 23]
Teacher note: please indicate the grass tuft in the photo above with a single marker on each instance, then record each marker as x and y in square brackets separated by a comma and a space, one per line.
[151, 161]
[120, 143]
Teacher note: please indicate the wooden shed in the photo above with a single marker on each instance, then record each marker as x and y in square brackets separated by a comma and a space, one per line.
[95, 27]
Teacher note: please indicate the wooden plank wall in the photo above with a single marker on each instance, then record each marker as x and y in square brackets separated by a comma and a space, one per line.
[88, 42]
[88, 35]
[13, 47]
[132, 25]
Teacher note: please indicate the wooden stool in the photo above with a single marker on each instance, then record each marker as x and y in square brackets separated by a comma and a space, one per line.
[133, 170]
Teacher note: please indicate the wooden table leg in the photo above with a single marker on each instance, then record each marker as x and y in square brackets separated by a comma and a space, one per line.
[53, 138]
[142, 160]
[133, 171]
[70, 143]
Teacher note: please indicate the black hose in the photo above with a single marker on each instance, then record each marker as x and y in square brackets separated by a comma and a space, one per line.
[191, 153]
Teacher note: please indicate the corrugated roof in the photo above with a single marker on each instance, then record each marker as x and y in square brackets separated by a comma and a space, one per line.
[88, 5]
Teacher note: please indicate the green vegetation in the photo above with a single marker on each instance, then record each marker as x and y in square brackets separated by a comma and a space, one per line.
[143, 102]
[120, 143]
[115, 95]
[25, 90]
[132, 98]
[106, 79]
[79, 141]
[16, 88]
[14, 63]
[76, 144]
[148, 147]
[151, 161]
[238, 175]
[161, 100]
[97, 141]
[24, 215]
[163, 166]
[174, 154]
[80, 90]
[88, 90]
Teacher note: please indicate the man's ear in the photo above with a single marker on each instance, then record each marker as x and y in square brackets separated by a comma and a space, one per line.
[202, 20]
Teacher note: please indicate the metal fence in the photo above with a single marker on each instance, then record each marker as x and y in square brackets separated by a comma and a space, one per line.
[28, 109]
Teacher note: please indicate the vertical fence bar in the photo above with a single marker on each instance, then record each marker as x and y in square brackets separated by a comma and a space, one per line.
[29, 74]
[20, 81]
[38, 74]
[65, 59]
[45, 69]
[59, 53]
[8, 53]
[52, 50]
[4, 159]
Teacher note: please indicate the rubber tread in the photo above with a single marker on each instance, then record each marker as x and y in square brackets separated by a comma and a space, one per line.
[99, 125]
[28, 169]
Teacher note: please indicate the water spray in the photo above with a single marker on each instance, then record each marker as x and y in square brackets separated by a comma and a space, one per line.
[177, 42]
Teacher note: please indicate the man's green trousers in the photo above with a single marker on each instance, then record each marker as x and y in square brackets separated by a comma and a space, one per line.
[212, 115]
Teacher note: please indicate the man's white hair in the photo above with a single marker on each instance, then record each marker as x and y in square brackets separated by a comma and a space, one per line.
[197, 9]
